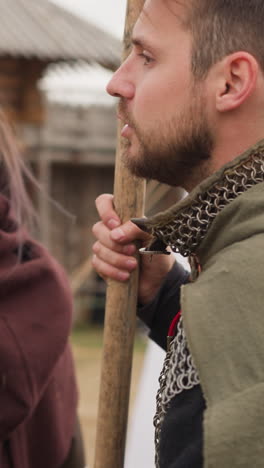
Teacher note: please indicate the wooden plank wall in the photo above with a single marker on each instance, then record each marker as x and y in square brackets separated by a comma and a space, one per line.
[80, 128]
[19, 96]
[75, 188]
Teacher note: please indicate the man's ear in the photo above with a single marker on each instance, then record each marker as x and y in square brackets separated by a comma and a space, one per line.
[239, 72]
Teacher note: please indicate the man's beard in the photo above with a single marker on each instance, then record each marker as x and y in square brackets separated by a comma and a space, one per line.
[177, 153]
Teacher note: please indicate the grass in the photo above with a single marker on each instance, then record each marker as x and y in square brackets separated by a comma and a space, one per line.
[87, 344]
[92, 336]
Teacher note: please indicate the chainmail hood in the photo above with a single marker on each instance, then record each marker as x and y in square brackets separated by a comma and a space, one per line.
[185, 224]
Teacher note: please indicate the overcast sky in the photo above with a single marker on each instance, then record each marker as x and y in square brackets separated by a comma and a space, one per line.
[109, 14]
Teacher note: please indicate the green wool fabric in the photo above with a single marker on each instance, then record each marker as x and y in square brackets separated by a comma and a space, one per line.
[223, 313]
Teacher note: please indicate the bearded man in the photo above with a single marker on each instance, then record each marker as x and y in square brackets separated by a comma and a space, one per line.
[191, 97]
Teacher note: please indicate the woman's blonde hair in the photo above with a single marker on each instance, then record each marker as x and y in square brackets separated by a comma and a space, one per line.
[13, 173]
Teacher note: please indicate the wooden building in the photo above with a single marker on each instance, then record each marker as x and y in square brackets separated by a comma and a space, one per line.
[62, 145]
[77, 150]
[35, 33]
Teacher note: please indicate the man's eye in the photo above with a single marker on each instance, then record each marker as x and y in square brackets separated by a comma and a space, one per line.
[146, 57]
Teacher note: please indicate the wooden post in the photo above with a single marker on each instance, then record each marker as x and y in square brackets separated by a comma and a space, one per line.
[44, 175]
[120, 317]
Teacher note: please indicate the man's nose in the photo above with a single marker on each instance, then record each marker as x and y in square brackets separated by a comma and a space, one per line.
[120, 85]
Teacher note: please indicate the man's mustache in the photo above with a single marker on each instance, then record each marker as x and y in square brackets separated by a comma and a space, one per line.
[122, 112]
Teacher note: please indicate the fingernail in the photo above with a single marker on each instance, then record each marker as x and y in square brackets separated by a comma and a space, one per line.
[129, 249]
[113, 223]
[117, 234]
[131, 263]
[123, 275]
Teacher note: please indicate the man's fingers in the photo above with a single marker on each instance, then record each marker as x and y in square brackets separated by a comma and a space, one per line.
[115, 259]
[105, 208]
[128, 232]
[102, 234]
[120, 233]
[114, 247]
[106, 271]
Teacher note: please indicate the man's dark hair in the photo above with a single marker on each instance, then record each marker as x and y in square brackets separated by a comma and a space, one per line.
[221, 27]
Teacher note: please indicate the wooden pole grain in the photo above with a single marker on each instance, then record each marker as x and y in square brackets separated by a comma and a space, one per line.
[120, 315]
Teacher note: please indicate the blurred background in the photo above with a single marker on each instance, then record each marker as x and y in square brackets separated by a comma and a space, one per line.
[55, 60]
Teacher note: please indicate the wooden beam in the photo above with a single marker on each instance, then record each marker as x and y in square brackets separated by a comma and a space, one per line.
[44, 177]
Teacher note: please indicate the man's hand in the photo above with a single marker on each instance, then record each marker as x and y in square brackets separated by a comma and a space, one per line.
[115, 247]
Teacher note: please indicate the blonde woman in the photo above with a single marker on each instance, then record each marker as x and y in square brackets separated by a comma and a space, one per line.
[38, 394]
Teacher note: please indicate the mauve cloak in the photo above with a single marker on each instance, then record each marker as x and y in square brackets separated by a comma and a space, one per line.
[38, 394]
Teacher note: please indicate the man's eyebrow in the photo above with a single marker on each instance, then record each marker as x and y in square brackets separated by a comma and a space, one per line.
[141, 42]
[136, 42]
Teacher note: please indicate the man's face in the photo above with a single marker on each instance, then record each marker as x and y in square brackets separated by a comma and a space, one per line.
[163, 110]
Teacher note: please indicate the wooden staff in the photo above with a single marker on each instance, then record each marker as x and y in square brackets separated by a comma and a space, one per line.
[120, 316]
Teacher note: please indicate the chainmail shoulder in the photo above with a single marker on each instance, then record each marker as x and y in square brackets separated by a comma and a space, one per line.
[185, 225]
